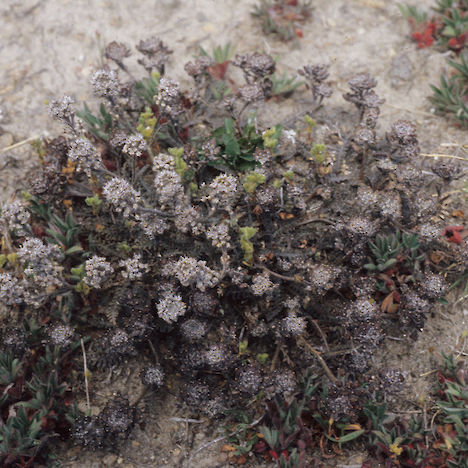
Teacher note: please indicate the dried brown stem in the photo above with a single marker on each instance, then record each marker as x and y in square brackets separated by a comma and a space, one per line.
[85, 373]
[327, 370]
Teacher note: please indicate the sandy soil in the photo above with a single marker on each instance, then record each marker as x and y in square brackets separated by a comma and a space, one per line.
[50, 47]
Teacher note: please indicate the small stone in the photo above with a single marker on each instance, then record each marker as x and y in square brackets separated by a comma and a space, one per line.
[109, 460]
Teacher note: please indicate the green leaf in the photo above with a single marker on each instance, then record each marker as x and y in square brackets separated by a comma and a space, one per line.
[262, 358]
[387, 264]
[73, 250]
[449, 31]
[351, 436]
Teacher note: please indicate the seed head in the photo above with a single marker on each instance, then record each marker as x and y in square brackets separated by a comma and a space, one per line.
[117, 51]
[193, 330]
[156, 52]
[255, 65]
[153, 376]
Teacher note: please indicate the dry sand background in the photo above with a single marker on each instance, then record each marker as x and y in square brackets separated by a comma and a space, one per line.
[50, 47]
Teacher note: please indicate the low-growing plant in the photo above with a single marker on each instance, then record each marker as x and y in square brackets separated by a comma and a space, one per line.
[448, 29]
[33, 398]
[282, 18]
[231, 250]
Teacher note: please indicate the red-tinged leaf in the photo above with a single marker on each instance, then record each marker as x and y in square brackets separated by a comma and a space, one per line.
[455, 234]
[218, 70]
[260, 447]
[109, 165]
[38, 231]
[274, 455]
[299, 32]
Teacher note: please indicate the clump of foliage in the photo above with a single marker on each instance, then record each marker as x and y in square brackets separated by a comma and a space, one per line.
[34, 363]
[235, 253]
[451, 97]
[415, 442]
[282, 18]
[330, 418]
[447, 28]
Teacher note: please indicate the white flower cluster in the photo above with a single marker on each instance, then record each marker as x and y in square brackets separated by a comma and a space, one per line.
[126, 200]
[169, 98]
[292, 325]
[186, 218]
[163, 161]
[15, 217]
[292, 304]
[85, 155]
[390, 207]
[134, 267]
[433, 285]
[153, 376]
[152, 224]
[61, 335]
[190, 271]
[98, 271]
[169, 189]
[122, 196]
[262, 284]
[367, 198]
[167, 182]
[429, 232]
[40, 262]
[219, 235]
[63, 110]
[363, 309]
[171, 306]
[216, 355]
[106, 83]
[11, 289]
[322, 277]
[135, 145]
[296, 195]
[223, 191]
[360, 227]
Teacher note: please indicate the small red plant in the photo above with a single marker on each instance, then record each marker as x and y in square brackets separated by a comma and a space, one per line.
[455, 234]
[423, 33]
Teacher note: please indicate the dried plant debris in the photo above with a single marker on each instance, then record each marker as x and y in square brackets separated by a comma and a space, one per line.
[233, 255]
